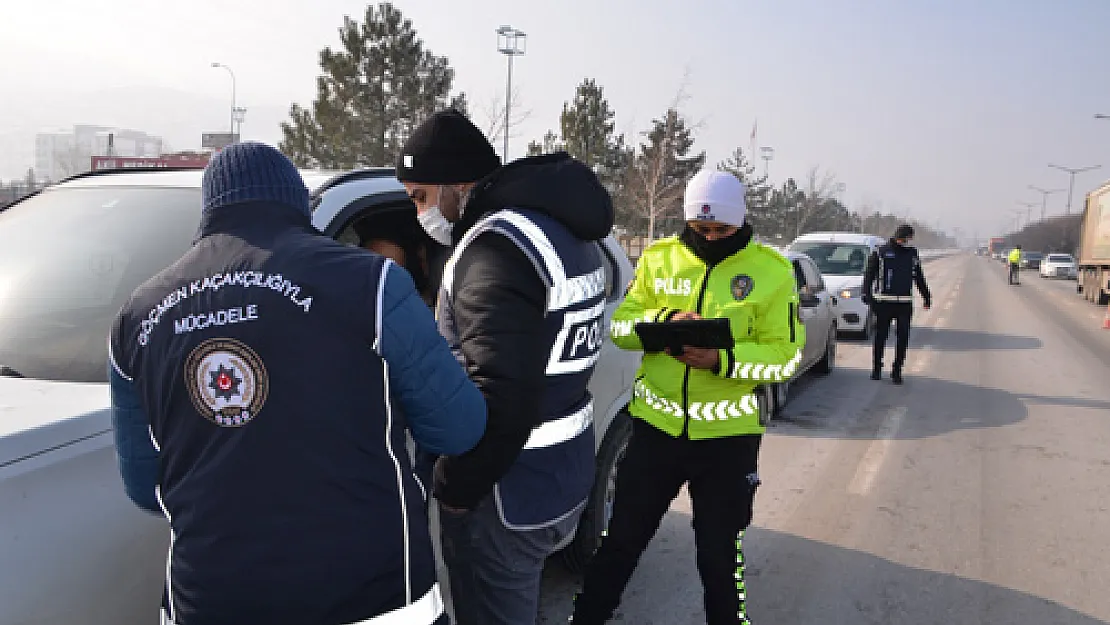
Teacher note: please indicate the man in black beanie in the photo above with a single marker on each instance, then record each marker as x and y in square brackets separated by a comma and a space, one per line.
[255, 388]
[522, 293]
[888, 281]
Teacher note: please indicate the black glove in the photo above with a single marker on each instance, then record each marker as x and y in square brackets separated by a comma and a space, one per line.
[867, 299]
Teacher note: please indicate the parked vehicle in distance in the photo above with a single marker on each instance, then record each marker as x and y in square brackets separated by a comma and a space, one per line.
[74, 548]
[1031, 260]
[841, 258]
[1059, 266]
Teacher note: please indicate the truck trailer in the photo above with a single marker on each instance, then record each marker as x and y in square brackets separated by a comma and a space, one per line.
[1094, 247]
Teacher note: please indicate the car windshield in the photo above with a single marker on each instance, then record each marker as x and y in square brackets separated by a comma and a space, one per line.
[837, 259]
[70, 258]
[1034, 255]
[1059, 258]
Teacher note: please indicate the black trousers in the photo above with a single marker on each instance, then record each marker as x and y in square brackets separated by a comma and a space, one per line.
[722, 478]
[885, 312]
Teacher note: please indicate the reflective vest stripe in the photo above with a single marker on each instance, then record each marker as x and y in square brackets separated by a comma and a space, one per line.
[699, 411]
[879, 297]
[423, 611]
[562, 429]
[766, 373]
[563, 291]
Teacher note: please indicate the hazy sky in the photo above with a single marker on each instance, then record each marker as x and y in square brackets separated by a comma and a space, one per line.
[942, 109]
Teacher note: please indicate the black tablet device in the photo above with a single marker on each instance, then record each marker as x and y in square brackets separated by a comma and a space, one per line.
[706, 333]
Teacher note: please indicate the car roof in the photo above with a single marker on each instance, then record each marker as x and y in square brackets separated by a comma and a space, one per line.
[840, 237]
[317, 180]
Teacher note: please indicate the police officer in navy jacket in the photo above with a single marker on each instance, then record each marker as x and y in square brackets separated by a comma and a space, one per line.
[261, 389]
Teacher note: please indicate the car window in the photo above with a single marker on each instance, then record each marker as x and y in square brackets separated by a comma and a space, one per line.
[70, 258]
[813, 276]
[1059, 258]
[842, 259]
[799, 276]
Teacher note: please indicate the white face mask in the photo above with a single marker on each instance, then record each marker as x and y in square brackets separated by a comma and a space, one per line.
[435, 224]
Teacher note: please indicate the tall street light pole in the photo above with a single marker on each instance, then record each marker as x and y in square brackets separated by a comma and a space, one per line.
[1028, 211]
[1044, 197]
[1071, 183]
[767, 153]
[510, 42]
[232, 96]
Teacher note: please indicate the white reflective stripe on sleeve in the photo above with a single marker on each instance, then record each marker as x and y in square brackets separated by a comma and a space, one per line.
[762, 372]
[562, 429]
[423, 611]
[621, 328]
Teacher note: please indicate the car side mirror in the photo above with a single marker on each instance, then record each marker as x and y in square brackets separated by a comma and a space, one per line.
[809, 300]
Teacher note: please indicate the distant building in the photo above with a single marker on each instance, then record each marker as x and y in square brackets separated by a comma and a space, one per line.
[68, 152]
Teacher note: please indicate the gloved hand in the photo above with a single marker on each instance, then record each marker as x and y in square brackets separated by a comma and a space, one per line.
[438, 479]
[867, 299]
[928, 304]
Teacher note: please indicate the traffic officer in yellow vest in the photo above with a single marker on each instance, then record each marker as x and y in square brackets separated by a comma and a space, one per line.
[1014, 262]
[697, 420]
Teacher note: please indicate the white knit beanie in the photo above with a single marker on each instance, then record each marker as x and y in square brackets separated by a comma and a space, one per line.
[715, 196]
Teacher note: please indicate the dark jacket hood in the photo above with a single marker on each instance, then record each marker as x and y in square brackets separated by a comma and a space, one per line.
[555, 184]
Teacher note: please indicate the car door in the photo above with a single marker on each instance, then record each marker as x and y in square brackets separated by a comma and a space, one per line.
[818, 319]
[804, 312]
[824, 315]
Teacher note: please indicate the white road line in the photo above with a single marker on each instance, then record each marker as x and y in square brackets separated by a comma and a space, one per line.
[876, 452]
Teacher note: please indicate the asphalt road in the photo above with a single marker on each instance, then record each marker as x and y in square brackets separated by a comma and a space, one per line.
[978, 492]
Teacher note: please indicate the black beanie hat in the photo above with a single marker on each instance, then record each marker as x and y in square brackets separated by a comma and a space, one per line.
[446, 149]
[905, 231]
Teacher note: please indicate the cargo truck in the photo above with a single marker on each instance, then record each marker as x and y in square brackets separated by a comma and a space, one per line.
[1094, 247]
[997, 246]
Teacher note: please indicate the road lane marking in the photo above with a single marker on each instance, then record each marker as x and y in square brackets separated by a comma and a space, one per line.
[876, 452]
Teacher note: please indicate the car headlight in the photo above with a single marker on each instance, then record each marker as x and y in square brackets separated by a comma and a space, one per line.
[851, 293]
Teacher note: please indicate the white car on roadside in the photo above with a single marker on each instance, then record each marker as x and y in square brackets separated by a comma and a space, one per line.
[842, 257]
[73, 548]
[1059, 266]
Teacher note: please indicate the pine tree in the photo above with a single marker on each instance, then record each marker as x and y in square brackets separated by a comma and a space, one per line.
[587, 124]
[757, 192]
[378, 86]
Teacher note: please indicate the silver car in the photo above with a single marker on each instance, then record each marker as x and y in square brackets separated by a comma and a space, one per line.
[818, 313]
[74, 548]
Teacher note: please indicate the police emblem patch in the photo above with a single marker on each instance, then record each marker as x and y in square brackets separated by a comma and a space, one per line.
[742, 286]
[227, 382]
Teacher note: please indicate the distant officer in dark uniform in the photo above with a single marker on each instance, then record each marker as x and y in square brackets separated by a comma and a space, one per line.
[892, 271]
[261, 388]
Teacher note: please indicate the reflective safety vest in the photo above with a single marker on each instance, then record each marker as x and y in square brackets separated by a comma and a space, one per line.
[1015, 256]
[554, 473]
[755, 290]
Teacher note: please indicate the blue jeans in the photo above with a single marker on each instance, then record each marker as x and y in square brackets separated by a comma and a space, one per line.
[494, 572]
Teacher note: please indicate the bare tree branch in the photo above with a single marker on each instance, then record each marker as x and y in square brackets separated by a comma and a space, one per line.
[494, 117]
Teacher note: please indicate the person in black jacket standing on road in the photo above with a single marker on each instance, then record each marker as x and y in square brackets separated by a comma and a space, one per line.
[521, 302]
[892, 271]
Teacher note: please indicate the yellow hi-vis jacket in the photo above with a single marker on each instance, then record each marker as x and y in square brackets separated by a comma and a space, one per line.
[1015, 256]
[755, 290]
